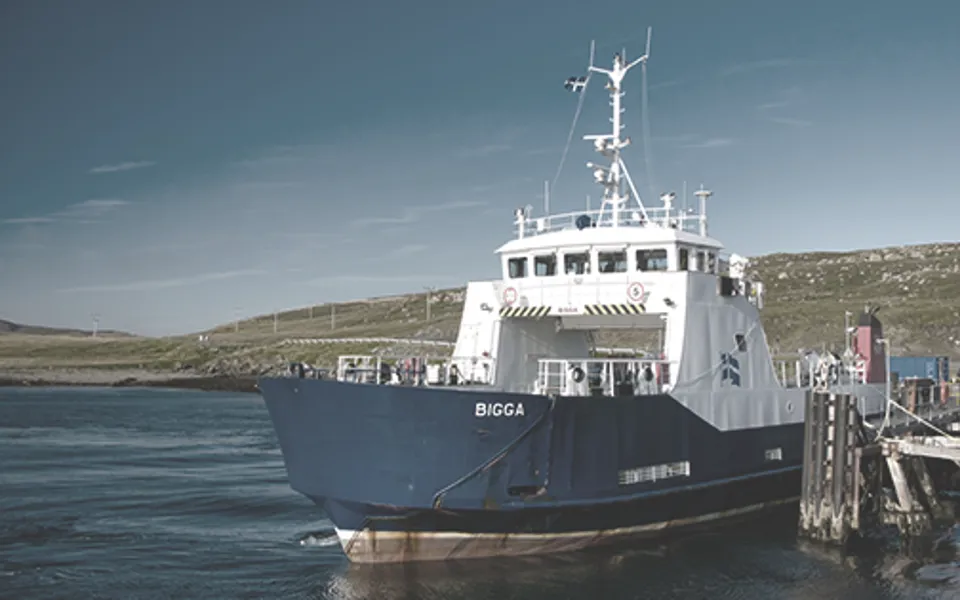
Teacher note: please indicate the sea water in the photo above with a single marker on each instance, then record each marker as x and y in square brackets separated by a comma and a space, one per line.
[136, 493]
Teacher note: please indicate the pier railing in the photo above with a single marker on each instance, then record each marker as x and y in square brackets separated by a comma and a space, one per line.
[603, 377]
[415, 370]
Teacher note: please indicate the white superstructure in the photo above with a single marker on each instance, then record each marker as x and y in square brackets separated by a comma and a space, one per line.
[624, 266]
[628, 266]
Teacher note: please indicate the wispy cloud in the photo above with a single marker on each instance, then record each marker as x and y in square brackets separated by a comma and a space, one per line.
[675, 139]
[158, 284]
[773, 105]
[783, 99]
[485, 150]
[95, 206]
[124, 166]
[81, 212]
[412, 214]
[503, 183]
[756, 65]
[179, 247]
[21, 246]
[27, 220]
[336, 280]
[408, 249]
[276, 161]
[664, 84]
[787, 98]
[544, 150]
[790, 121]
[710, 143]
[269, 185]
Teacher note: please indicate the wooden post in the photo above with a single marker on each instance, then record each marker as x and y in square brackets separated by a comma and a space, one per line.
[937, 509]
[900, 485]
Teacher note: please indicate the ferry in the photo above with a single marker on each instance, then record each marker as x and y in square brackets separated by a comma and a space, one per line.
[529, 440]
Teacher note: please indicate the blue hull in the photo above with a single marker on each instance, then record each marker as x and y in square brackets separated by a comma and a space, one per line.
[413, 473]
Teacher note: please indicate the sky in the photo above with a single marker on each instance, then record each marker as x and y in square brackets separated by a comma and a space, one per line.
[170, 166]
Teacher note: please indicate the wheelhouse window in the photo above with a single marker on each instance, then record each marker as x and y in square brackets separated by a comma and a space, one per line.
[741, 342]
[683, 259]
[702, 261]
[576, 264]
[711, 262]
[545, 266]
[652, 260]
[517, 267]
[612, 262]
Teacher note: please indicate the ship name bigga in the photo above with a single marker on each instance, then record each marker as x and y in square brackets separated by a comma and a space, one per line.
[499, 409]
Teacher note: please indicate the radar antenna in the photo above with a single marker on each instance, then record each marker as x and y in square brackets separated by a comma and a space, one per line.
[702, 195]
[612, 177]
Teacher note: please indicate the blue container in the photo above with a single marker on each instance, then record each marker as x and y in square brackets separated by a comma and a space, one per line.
[936, 368]
[903, 366]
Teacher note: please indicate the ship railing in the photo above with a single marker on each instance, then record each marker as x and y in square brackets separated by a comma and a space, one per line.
[675, 218]
[794, 373]
[603, 376]
[416, 370]
[802, 373]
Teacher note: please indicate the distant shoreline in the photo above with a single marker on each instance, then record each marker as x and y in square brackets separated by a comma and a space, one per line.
[126, 379]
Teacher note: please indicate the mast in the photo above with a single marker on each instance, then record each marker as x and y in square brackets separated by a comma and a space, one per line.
[703, 194]
[613, 176]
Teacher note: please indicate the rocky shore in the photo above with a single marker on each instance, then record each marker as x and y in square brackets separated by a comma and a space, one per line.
[128, 378]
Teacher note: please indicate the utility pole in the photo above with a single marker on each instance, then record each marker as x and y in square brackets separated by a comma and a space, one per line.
[236, 320]
[846, 331]
[311, 312]
[96, 324]
[430, 291]
[333, 316]
[275, 322]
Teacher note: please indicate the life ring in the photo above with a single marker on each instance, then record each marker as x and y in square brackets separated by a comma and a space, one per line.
[577, 374]
[635, 291]
[648, 375]
[509, 296]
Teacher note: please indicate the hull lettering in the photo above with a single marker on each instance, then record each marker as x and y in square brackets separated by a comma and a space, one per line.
[499, 409]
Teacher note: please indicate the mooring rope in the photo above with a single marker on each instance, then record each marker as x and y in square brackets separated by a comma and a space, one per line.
[439, 495]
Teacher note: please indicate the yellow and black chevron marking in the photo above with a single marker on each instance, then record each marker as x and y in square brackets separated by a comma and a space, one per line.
[533, 312]
[614, 309]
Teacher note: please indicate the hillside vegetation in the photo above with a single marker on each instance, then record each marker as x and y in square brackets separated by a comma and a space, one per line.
[7, 327]
[918, 288]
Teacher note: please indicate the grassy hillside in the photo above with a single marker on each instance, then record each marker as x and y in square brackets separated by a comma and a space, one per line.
[918, 288]
[8, 327]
